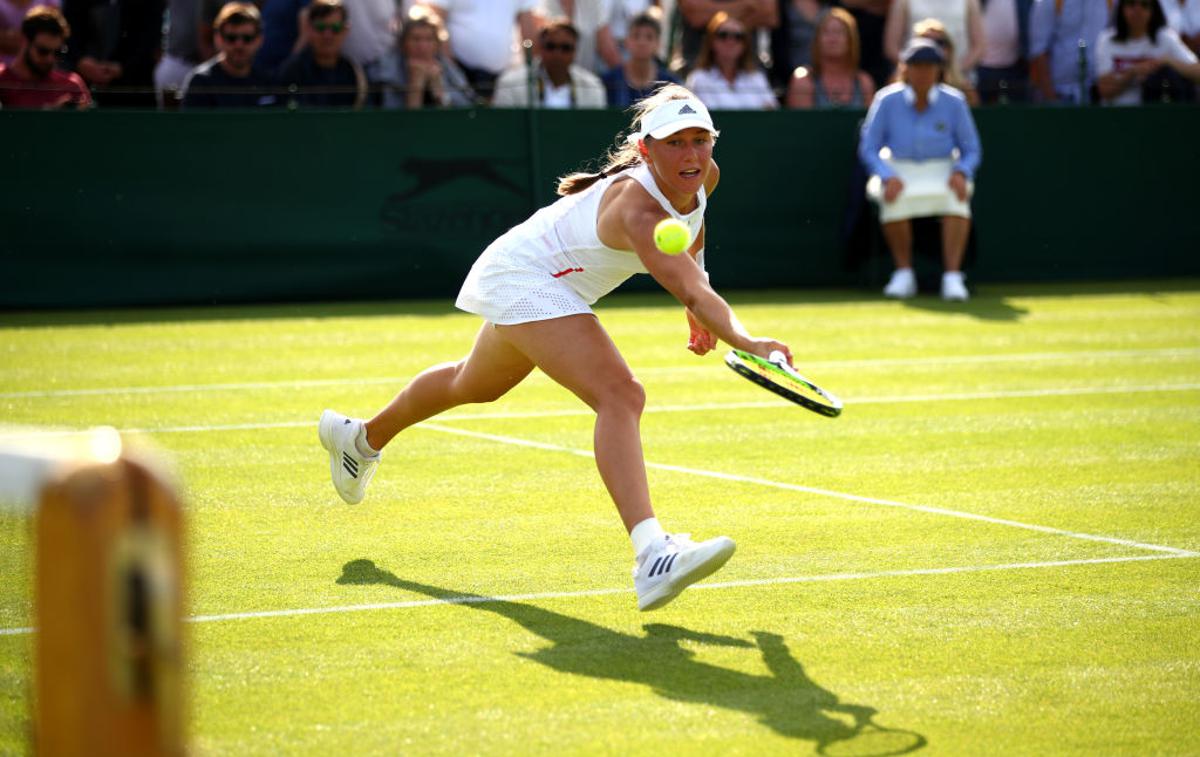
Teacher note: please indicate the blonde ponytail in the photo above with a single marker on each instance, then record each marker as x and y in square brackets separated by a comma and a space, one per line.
[619, 157]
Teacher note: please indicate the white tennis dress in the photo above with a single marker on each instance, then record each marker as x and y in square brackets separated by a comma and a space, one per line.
[554, 264]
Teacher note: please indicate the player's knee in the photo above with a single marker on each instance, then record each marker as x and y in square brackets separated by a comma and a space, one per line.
[627, 395]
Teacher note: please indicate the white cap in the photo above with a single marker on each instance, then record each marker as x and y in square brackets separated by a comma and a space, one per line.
[672, 116]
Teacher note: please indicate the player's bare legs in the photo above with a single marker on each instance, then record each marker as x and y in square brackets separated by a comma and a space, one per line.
[492, 368]
[576, 352]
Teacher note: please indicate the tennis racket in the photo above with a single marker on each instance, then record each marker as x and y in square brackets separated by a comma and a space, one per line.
[774, 374]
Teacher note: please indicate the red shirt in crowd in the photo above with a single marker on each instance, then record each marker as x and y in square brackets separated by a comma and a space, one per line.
[59, 89]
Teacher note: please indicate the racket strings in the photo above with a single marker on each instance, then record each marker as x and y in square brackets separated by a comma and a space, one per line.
[786, 381]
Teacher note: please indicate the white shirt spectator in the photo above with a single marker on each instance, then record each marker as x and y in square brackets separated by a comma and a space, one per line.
[622, 12]
[750, 90]
[1182, 17]
[952, 13]
[557, 98]
[370, 37]
[589, 18]
[1003, 46]
[1112, 55]
[585, 90]
[482, 31]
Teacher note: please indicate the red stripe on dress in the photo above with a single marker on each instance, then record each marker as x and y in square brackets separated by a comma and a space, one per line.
[565, 271]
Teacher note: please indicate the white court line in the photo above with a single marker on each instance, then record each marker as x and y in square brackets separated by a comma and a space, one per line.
[602, 592]
[1028, 357]
[824, 492]
[573, 412]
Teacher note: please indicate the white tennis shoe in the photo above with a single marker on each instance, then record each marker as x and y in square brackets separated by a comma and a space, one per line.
[902, 285]
[350, 470]
[675, 562]
[954, 288]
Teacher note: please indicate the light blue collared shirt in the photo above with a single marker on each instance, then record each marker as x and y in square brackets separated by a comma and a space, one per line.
[1059, 34]
[894, 122]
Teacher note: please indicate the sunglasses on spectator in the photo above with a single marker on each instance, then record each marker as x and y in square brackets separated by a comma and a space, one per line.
[334, 26]
[725, 34]
[1139, 4]
[565, 47]
[243, 38]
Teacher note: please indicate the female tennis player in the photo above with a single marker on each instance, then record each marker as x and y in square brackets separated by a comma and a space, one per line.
[533, 287]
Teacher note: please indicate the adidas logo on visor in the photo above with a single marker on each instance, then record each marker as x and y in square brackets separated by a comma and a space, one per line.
[686, 109]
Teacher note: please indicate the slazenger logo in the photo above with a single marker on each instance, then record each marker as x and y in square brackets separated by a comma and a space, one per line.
[431, 173]
[447, 212]
[686, 109]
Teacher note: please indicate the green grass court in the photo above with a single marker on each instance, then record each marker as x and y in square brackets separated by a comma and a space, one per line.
[995, 550]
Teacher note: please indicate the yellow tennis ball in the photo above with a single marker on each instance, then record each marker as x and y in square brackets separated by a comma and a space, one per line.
[672, 236]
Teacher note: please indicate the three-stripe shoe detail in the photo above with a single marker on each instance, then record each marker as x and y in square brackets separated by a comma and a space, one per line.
[660, 576]
[662, 565]
[349, 469]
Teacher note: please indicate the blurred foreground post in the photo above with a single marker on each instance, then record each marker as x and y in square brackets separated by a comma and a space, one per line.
[107, 597]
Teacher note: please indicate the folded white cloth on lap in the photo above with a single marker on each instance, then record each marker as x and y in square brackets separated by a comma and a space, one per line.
[926, 191]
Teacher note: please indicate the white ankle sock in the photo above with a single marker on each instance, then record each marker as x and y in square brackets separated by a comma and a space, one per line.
[644, 534]
[360, 442]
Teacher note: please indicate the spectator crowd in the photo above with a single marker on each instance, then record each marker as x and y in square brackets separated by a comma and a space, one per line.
[735, 54]
[917, 66]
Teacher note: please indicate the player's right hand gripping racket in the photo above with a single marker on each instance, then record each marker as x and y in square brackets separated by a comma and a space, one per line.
[774, 374]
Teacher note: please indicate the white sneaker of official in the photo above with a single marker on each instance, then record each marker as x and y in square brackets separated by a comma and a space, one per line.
[954, 288]
[902, 285]
[350, 470]
[675, 562]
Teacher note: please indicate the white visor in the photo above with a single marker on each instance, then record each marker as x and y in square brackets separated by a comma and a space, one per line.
[673, 116]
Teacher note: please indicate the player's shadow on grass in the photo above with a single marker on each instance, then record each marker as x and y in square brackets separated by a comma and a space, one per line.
[787, 700]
